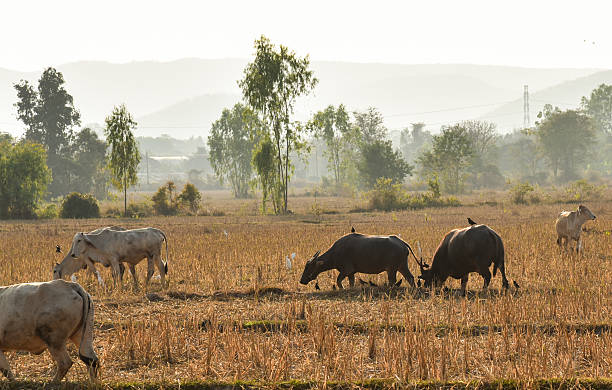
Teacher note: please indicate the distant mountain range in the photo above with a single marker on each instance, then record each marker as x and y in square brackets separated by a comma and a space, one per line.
[182, 98]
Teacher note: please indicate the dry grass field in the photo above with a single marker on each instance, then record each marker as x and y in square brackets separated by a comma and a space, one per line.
[233, 311]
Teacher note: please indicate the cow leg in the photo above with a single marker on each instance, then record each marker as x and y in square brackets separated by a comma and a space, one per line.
[351, 279]
[486, 275]
[116, 272]
[150, 269]
[464, 281]
[134, 277]
[578, 245]
[406, 274]
[62, 360]
[161, 268]
[5, 368]
[339, 280]
[392, 277]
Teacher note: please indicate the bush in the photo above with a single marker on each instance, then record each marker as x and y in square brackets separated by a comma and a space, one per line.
[164, 200]
[520, 191]
[387, 196]
[77, 205]
[140, 210]
[49, 212]
[581, 190]
[190, 197]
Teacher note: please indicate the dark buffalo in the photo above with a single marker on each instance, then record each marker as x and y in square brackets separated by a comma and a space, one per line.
[362, 253]
[471, 249]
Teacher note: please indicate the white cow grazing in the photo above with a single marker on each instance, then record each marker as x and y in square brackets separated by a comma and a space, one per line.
[89, 263]
[112, 247]
[569, 224]
[39, 316]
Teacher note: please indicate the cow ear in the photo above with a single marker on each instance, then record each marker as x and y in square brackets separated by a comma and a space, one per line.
[88, 241]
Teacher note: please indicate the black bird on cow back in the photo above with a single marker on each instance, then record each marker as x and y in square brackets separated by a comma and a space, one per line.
[471, 222]
[361, 253]
[352, 229]
[471, 249]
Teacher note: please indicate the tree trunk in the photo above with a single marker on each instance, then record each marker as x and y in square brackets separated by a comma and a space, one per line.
[125, 198]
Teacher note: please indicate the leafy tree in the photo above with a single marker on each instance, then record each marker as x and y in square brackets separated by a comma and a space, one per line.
[24, 177]
[378, 159]
[599, 107]
[271, 85]
[565, 137]
[265, 165]
[90, 158]
[370, 126]
[231, 144]
[413, 139]
[449, 157]
[124, 157]
[49, 115]
[333, 126]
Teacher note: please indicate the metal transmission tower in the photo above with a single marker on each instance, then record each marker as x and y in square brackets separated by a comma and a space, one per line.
[526, 121]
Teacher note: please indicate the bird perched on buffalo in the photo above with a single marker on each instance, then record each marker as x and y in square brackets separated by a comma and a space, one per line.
[471, 222]
[58, 249]
[352, 229]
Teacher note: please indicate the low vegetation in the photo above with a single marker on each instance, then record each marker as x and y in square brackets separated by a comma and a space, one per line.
[76, 205]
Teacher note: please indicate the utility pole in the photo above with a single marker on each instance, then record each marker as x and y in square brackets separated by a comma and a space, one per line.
[526, 121]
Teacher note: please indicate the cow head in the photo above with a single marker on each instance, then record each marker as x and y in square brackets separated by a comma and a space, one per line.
[584, 213]
[429, 278]
[312, 269]
[80, 245]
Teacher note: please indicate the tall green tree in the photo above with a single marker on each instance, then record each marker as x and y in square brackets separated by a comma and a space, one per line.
[378, 159]
[334, 127]
[49, 115]
[24, 177]
[124, 157]
[231, 142]
[599, 107]
[264, 161]
[413, 140]
[89, 154]
[370, 126]
[450, 155]
[270, 86]
[566, 137]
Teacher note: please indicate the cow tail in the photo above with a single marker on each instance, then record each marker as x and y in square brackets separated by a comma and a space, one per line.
[166, 263]
[499, 261]
[86, 352]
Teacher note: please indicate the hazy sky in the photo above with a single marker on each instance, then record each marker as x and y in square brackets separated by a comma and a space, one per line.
[34, 34]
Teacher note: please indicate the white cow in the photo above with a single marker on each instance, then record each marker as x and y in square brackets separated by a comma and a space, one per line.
[569, 224]
[112, 247]
[89, 263]
[44, 315]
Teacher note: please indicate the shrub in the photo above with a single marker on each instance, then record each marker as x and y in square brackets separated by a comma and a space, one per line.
[520, 191]
[164, 200]
[190, 197]
[49, 212]
[140, 210]
[77, 205]
[581, 190]
[386, 196]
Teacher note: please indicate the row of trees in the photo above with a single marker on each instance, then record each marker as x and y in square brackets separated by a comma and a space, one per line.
[62, 160]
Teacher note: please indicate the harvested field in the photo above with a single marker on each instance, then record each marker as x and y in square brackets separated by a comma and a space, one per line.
[234, 312]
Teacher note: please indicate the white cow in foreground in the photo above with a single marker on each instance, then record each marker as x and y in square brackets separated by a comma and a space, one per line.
[111, 248]
[44, 315]
[569, 224]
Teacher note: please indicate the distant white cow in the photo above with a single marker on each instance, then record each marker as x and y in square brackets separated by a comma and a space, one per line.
[569, 224]
[39, 316]
[112, 247]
